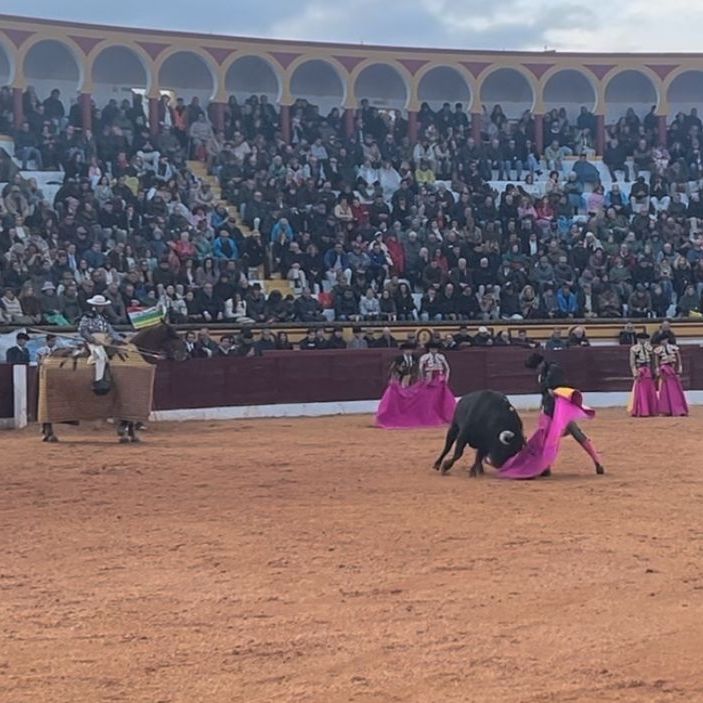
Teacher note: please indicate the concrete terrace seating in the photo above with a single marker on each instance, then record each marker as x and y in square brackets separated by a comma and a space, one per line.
[48, 181]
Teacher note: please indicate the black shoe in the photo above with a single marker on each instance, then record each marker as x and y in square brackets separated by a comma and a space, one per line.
[600, 469]
[546, 473]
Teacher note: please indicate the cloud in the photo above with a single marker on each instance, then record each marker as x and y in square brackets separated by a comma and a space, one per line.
[564, 25]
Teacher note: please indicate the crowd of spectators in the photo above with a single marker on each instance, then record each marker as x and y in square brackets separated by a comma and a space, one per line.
[201, 344]
[365, 227]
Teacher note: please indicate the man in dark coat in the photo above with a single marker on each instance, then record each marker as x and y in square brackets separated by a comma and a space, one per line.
[19, 355]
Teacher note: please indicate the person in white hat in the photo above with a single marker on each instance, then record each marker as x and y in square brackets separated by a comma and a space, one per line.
[96, 330]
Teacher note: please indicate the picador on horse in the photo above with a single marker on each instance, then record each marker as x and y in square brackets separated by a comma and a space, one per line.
[107, 378]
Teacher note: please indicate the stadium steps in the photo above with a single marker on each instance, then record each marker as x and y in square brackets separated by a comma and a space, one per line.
[199, 170]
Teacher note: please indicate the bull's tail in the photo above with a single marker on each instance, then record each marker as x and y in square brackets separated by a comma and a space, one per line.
[452, 434]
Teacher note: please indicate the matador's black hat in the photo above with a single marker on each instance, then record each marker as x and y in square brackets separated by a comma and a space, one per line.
[534, 360]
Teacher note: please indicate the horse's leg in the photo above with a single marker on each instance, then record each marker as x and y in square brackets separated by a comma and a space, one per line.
[122, 432]
[47, 430]
[132, 429]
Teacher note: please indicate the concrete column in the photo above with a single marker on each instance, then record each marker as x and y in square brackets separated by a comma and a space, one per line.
[284, 123]
[539, 133]
[17, 107]
[154, 117]
[476, 126]
[218, 117]
[85, 100]
[349, 120]
[661, 129]
[412, 126]
[600, 134]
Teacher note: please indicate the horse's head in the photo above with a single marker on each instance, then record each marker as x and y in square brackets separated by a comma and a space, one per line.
[174, 346]
[161, 340]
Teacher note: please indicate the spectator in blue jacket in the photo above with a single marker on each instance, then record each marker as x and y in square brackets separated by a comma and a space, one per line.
[567, 302]
[336, 260]
[224, 247]
[94, 256]
[282, 226]
[585, 171]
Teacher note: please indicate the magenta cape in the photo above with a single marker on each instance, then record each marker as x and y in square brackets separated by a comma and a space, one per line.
[672, 400]
[424, 404]
[542, 448]
[643, 402]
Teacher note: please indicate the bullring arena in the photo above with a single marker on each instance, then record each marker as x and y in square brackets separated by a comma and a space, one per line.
[322, 559]
[266, 541]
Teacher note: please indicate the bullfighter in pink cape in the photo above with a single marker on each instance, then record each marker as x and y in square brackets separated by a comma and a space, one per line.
[561, 407]
[672, 400]
[643, 400]
[427, 402]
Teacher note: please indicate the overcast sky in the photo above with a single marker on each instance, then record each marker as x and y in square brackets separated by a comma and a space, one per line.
[566, 25]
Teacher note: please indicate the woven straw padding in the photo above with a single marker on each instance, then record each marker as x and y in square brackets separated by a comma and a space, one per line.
[67, 394]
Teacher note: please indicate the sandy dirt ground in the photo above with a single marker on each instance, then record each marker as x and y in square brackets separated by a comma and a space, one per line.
[323, 560]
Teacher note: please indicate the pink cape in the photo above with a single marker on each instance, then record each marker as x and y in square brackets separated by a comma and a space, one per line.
[542, 448]
[424, 404]
[643, 402]
[672, 400]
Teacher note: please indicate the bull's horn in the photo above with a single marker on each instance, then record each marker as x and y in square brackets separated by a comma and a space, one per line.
[505, 436]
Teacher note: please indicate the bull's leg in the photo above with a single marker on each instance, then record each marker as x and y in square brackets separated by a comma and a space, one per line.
[579, 435]
[452, 434]
[477, 468]
[123, 432]
[458, 452]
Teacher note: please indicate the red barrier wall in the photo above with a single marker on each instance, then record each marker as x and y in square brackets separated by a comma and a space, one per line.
[319, 376]
[327, 376]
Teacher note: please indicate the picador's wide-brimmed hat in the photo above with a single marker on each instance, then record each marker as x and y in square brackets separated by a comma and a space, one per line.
[98, 301]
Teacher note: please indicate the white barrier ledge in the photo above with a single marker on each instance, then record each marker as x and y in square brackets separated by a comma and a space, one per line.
[617, 399]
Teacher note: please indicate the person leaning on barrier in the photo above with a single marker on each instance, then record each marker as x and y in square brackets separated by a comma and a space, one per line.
[19, 354]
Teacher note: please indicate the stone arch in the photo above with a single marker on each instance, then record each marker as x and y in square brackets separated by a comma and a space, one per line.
[629, 87]
[570, 88]
[187, 73]
[117, 69]
[52, 63]
[511, 87]
[320, 82]
[7, 64]
[685, 91]
[383, 83]
[252, 74]
[438, 84]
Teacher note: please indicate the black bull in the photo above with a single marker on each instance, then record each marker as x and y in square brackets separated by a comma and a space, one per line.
[486, 421]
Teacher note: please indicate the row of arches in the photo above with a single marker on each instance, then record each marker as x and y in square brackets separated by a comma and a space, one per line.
[117, 70]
